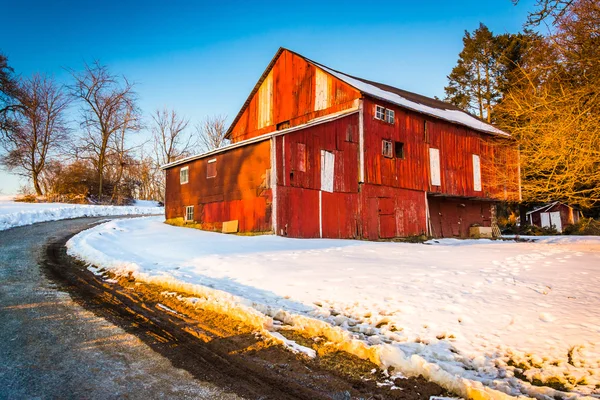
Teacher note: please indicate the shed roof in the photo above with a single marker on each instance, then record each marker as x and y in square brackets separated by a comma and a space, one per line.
[403, 98]
[548, 206]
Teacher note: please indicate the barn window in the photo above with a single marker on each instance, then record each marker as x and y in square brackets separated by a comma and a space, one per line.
[476, 173]
[387, 149]
[189, 213]
[389, 116]
[211, 168]
[184, 175]
[385, 114]
[380, 113]
[399, 150]
[283, 125]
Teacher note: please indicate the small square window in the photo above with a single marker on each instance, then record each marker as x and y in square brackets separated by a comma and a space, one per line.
[389, 116]
[387, 149]
[211, 168]
[399, 150]
[283, 125]
[184, 175]
[189, 213]
[380, 113]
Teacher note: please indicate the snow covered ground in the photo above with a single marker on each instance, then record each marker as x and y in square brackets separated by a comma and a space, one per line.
[14, 214]
[461, 312]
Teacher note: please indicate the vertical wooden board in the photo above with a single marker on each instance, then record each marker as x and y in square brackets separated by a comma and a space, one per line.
[265, 102]
[371, 218]
[434, 167]
[476, 173]
[321, 89]
[387, 226]
[327, 170]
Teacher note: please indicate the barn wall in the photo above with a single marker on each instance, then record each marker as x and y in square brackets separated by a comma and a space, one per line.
[299, 181]
[499, 171]
[294, 91]
[389, 212]
[240, 190]
[371, 211]
[452, 217]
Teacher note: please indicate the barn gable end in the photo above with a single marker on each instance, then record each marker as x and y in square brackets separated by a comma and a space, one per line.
[291, 92]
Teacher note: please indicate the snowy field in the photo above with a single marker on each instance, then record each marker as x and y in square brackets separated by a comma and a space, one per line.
[14, 214]
[459, 311]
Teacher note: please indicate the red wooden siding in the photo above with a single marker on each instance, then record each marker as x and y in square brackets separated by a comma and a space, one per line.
[373, 212]
[456, 145]
[240, 190]
[293, 98]
[392, 212]
[299, 181]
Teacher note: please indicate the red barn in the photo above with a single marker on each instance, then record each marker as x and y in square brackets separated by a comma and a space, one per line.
[556, 214]
[318, 153]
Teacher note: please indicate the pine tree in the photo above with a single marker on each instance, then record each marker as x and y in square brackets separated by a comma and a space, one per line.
[485, 70]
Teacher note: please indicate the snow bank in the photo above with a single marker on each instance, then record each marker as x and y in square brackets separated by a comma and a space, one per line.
[471, 315]
[13, 214]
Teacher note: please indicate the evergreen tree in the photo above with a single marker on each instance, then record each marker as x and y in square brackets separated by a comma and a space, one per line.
[9, 90]
[485, 70]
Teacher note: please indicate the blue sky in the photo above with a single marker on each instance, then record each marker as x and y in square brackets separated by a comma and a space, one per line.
[203, 58]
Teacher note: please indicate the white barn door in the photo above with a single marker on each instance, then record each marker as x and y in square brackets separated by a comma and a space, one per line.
[545, 217]
[555, 220]
[434, 167]
[327, 168]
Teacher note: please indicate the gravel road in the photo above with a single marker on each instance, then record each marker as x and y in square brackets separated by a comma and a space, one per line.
[51, 348]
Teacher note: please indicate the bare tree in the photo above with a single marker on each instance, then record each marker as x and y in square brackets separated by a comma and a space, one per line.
[211, 132]
[120, 161]
[109, 107]
[39, 128]
[171, 142]
[555, 9]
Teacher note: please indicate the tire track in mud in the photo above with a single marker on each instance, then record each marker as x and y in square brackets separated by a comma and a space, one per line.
[215, 348]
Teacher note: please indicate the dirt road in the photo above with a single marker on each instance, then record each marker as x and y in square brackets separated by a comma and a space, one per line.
[107, 339]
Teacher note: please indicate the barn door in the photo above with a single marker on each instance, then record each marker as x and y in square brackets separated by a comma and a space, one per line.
[327, 169]
[387, 218]
[545, 217]
[555, 220]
